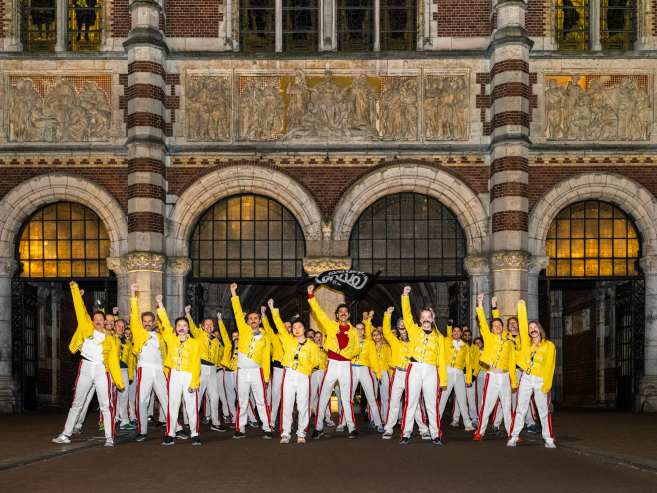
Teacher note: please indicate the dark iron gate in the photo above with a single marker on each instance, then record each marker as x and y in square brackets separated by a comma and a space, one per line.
[24, 328]
[629, 338]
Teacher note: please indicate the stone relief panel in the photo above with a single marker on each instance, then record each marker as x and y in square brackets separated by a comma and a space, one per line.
[208, 108]
[446, 104]
[59, 108]
[598, 107]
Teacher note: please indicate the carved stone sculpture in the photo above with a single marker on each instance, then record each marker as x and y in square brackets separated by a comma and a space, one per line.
[208, 109]
[299, 100]
[262, 109]
[446, 103]
[62, 115]
[399, 109]
[618, 112]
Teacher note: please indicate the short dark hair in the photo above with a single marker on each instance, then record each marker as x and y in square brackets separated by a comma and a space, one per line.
[497, 319]
[466, 330]
[184, 319]
[457, 327]
[148, 314]
[98, 312]
[508, 320]
[478, 339]
[341, 305]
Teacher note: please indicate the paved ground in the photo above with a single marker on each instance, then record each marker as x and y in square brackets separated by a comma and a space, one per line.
[335, 463]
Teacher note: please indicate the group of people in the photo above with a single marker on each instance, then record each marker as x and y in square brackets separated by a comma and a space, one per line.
[407, 372]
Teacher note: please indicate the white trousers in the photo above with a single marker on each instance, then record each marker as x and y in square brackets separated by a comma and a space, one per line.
[221, 390]
[336, 371]
[274, 394]
[122, 400]
[395, 397]
[384, 392]
[91, 375]
[85, 408]
[178, 387]
[206, 373]
[149, 379]
[251, 380]
[496, 385]
[456, 382]
[230, 388]
[422, 378]
[364, 376]
[473, 406]
[529, 415]
[530, 384]
[213, 395]
[297, 384]
[315, 381]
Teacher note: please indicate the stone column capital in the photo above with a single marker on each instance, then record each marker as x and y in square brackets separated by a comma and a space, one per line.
[477, 265]
[316, 265]
[538, 263]
[649, 265]
[143, 261]
[178, 266]
[510, 260]
[114, 264]
[8, 267]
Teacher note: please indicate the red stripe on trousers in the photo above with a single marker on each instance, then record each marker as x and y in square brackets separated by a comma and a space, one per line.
[168, 405]
[197, 420]
[497, 403]
[137, 401]
[515, 409]
[483, 405]
[319, 396]
[110, 399]
[282, 400]
[264, 395]
[76, 388]
[390, 384]
[439, 395]
[378, 409]
[351, 401]
[237, 391]
[549, 415]
[408, 373]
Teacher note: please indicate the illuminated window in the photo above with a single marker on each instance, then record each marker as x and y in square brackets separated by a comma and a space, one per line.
[409, 235]
[572, 24]
[40, 29]
[355, 25]
[247, 236]
[84, 25]
[398, 25]
[300, 25]
[592, 239]
[64, 240]
[257, 25]
[617, 25]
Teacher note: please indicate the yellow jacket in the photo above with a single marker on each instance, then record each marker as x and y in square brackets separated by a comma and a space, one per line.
[300, 357]
[258, 350]
[458, 359]
[228, 359]
[277, 349]
[323, 359]
[209, 345]
[132, 364]
[499, 352]
[427, 348]
[182, 355]
[125, 350]
[538, 360]
[139, 335]
[474, 360]
[86, 330]
[383, 355]
[400, 351]
[331, 328]
[368, 357]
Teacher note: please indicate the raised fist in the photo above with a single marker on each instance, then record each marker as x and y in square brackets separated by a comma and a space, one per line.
[390, 310]
[271, 304]
[188, 310]
[407, 289]
[311, 288]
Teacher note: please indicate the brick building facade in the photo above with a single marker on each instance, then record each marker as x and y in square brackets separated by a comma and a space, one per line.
[167, 108]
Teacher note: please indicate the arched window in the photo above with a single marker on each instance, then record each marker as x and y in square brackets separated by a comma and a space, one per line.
[410, 235]
[64, 240]
[592, 239]
[247, 236]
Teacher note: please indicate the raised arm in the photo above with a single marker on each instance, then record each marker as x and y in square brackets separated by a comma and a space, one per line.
[223, 331]
[135, 312]
[493, 303]
[406, 312]
[266, 360]
[322, 319]
[165, 327]
[548, 373]
[512, 365]
[374, 359]
[195, 331]
[483, 324]
[449, 329]
[284, 336]
[242, 327]
[367, 322]
[523, 325]
[81, 312]
[387, 329]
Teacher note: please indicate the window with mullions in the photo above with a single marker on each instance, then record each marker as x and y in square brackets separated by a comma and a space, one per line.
[617, 25]
[592, 239]
[572, 24]
[257, 25]
[40, 28]
[398, 25]
[247, 236]
[64, 240]
[355, 25]
[84, 25]
[409, 235]
[300, 25]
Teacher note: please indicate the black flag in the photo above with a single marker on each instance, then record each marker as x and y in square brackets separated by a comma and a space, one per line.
[351, 283]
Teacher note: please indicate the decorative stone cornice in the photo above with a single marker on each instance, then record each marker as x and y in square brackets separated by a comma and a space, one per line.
[510, 260]
[316, 265]
[8, 267]
[538, 263]
[477, 265]
[143, 261]
[178, 266]
[115, 264]
[649, 265]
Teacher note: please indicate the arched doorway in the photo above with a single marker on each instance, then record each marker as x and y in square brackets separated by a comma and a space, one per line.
[251, 238]
[417, 240]
[592, 302]
[58, 243]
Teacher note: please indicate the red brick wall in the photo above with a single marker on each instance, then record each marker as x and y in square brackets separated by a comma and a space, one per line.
[535, 17]
[2, 19]
[121, 21]
[463, 18]
[193, 18]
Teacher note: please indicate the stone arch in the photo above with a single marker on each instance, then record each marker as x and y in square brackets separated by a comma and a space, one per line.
[233, 180]
[630, 196]
[23, 200]
[427, 180]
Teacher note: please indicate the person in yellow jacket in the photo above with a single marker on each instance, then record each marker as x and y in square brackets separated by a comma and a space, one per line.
[470, 391]
[132, 370]
[125, 357]
[538, 358]
[301, 355]
[317, 377]
[99, 366]
[400, 357]
[275, 386]
[426, 373]
[183, 360]
[253, 362]
[342, 344]
[383, 352]
[209, 349]
[499, 360]
[229, 363]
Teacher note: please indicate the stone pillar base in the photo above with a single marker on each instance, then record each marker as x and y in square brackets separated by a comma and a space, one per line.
[647, 395]
[9, 400]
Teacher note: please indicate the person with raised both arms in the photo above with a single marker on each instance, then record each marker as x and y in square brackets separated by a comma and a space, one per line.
[277, 352]
[253, 361]
[341, 345]
[229, 362]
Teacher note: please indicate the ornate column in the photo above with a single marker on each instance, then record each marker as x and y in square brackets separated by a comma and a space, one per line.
[599, 295]
[56, 297]
[8, 396]
[510, 269]
[326, 298]
[478, 266]
[176, 270]
[536, 265]
[122, 285]
[146, 269]
[647, 395]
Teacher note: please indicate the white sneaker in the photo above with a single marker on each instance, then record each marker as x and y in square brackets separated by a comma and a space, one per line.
[109, 442]
[77, 431]
[301, 439]
[330, 422]
[285, 439]
[426, 436]
[454, 423]
[469, 428]
[550, 445]
[62, 439]
[339, 428]
[512, 442]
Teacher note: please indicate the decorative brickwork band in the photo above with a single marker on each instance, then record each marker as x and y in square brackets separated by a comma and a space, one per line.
[509, 189]
[510, 163]
[505, 118]
[145, 222]
[146, 165]
[147, 190]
